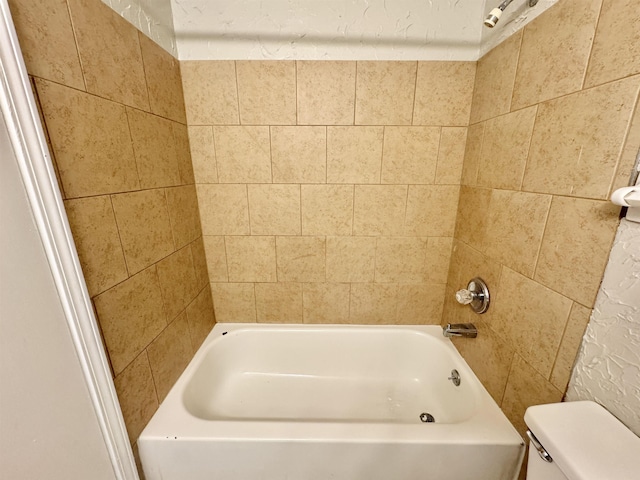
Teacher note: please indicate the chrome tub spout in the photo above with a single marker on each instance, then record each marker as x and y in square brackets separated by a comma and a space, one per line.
[468, 330]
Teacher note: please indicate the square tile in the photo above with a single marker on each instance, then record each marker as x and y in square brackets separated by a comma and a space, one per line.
[471, 228]
[438, 258]
[216, 254]
[299, 154]
[444, 91]
[267, 92]
[203, 154]
[164, 82]
[96, 237]
[472, 154]
[177, 278]
[453, 141]
[110, 53]
[154, 148]
[169, 354]
[183, 212]
[431, 210]
[351, 259]
[354, 154]
[137, 395]
[185, 165]
[326, 92]
[327, 209]
[575, 247]
[420, 304]
[224, 209]
[200, 263]
[279, 302]
[243, 154]
[234, 302]
[586, 129]
[379, 209]
[515, 225]
[401, 260]
[200, 317]
[210, 92]
[410, 154]
[326, 302]
[275, 209]
[144, 226]
[373, 303]
[532, 317]
[498, 67]
[385, 92]
[47, 41]
[502, 162]
[555, 52]
[131, 315]
[91, 141]
[301, 259]
[617, 25]
[251, 259]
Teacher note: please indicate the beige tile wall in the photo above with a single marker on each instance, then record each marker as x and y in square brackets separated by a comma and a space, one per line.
[552, 133]
[113, 108]
[328, 190]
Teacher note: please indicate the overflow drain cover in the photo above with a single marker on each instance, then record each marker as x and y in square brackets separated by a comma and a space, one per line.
[427, 418]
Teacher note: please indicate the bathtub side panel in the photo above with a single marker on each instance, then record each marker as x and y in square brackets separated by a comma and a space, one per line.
[172, 459]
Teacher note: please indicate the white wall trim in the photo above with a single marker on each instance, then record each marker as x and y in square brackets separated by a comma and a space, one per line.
[28, 141]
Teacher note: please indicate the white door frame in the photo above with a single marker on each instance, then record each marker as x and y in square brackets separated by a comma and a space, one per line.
[28, 141]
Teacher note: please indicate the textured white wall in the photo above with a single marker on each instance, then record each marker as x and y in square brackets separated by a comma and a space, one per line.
[608, 366]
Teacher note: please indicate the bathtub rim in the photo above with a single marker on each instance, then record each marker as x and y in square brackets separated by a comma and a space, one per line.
[172, 421]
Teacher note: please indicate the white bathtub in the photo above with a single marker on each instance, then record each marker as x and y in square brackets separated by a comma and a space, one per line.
[300, 402]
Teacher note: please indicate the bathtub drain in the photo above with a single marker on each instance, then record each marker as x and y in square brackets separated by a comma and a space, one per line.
[427, 418]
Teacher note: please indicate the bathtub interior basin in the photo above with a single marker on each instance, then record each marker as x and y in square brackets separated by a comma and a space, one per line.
[276, 402]
[385, 375]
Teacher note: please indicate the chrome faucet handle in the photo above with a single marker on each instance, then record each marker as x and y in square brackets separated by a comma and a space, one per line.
[476, 295]
[464, 296]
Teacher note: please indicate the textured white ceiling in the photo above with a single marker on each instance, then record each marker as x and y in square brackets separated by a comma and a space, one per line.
[331, 29]
[324, 29]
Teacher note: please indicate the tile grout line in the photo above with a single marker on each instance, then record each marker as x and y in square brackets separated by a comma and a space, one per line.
[544, 233]
[415, 95]
[215, 153]
[557, 355]
[171, 226]
[75, 38]
[126, 265]
[235, 71]
[515, 73]
[144, 70]
[593, 42]
[526, 162]
[435, 174]
[355, 95]
[133, 149]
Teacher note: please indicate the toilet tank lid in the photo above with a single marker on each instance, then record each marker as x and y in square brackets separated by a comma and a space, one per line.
[586, 441]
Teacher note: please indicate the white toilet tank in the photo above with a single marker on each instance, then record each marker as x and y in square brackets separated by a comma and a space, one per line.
[584, 441]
